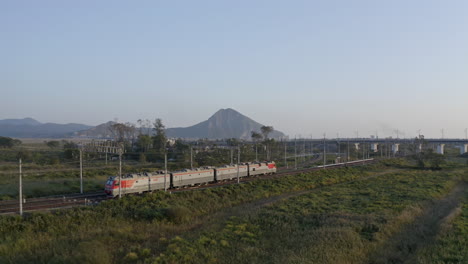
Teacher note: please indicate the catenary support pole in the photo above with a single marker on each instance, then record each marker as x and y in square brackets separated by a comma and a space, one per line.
[120, 173]
[347, 156]
[191, 158]
[232, 155]
[285, 159]
[20, 195]
[324, 151]
[238, 164]
[165, 171]
[295, 153]
[81, 170]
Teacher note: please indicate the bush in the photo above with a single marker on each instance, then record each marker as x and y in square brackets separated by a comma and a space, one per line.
[178, 214]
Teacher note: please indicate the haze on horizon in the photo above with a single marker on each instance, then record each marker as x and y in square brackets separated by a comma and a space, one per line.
[304, 67]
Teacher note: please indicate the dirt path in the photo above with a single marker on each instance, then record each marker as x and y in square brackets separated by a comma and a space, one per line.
[401, 248]
[251, 208]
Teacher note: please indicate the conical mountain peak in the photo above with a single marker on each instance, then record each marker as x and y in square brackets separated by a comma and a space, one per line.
[225, 123]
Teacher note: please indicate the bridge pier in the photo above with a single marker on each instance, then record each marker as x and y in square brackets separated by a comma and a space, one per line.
[463, 149]
[440, 149]
[374, 147]
[395, 148]
[356, 146]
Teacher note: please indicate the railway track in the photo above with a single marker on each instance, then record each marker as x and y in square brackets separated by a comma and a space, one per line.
[51, 202]
[68, 201]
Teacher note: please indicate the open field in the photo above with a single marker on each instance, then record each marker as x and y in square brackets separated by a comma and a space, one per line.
[349, 215]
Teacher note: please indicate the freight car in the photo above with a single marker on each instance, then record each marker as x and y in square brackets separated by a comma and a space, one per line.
[148, 182]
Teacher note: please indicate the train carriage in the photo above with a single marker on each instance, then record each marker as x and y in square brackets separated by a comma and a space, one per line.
[192, 177]
[156, 180]
[136, 183]
[229, 172]
[148, 182]
[260, 168]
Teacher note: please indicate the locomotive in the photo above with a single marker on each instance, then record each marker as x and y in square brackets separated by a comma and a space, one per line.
[152, 181]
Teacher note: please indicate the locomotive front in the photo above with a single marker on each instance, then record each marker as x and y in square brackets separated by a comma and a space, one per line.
[110, 186]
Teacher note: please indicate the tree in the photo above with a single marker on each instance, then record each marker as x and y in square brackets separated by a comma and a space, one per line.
[159, 139]
[23, 154]
[232, 142]
[256, 137]
[123, 133]
[6, 142]
[53, 144]
[70, 149]
[144, 142]
[265, 131]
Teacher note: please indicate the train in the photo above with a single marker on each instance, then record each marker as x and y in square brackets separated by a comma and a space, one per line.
[137, 183]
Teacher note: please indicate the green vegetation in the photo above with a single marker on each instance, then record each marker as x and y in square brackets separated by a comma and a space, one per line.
[452, 245]
[348, 215]
[139, 222]
[338, 224]
[6, 142]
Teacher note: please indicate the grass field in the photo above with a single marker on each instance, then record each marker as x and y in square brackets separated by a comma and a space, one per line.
[352, 215]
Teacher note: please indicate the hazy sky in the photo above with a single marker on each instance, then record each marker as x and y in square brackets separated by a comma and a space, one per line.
[304, 67]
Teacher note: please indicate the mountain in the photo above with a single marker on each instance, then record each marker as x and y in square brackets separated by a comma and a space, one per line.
[24, 121]
[30, 128]
[100, 131]
[226, 123]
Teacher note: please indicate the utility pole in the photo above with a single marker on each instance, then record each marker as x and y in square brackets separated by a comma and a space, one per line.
[20, 189]
[304, 153]
[120, 172]
[81, 169]
[191, 158]
[311, 148]
[256, 151]
[363, 150]
[466, 133]
[106, 158]
[295, 153]
[285, 159]
[339, 145]
[347, 149]
[324, 151]
[165, 170]
[238, 163]
[232, 155]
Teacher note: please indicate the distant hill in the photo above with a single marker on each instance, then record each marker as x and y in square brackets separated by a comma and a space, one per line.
[100, 131]
[226, 123]
[30, 128]
[16, 122]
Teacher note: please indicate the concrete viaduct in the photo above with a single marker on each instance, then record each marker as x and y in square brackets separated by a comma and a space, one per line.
[374, 143]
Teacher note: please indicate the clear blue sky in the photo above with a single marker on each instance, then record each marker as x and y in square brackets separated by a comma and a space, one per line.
[305, 67]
